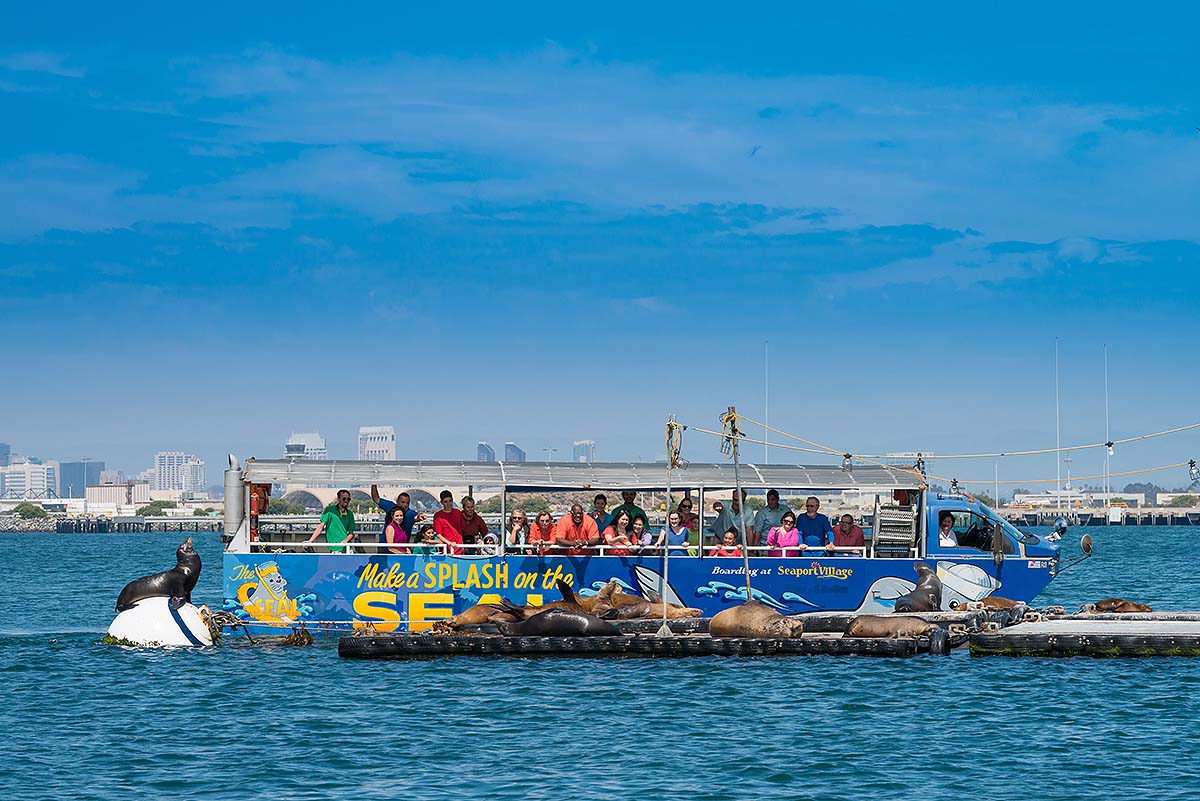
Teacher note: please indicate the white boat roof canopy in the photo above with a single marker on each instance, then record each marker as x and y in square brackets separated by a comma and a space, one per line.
[531, 476]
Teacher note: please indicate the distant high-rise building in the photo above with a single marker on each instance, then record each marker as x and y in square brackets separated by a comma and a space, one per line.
[309, 446]
[111, 477]
[5, 454]
[485, 453]
[75, 477]
[377, 443]
[584, 451]
[512, 453]
[195, 479]
[175, 470]
[29, 480]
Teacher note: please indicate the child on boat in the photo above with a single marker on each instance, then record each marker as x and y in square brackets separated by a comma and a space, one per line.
[728, 546]
[427, 539]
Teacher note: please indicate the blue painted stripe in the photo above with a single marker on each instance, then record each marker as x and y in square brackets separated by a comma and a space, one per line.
[183, 626]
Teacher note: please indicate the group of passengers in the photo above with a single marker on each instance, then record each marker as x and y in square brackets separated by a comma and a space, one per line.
[625, 531]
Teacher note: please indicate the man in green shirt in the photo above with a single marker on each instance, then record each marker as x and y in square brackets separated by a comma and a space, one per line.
[628, 497]
[337, 524]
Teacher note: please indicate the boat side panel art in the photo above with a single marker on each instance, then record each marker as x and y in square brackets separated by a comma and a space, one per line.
[390, 592]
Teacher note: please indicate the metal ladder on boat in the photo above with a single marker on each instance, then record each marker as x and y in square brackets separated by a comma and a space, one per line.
[895, 534]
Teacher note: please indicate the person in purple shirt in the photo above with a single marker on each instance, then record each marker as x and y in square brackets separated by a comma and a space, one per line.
[815, 528]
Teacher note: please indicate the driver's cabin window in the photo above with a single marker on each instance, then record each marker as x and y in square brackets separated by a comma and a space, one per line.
[972, 531]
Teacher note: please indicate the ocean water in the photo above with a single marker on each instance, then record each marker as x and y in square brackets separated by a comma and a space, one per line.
[82, 720]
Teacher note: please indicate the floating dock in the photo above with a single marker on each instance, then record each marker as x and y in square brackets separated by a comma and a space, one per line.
[636, 645]
[1150, 634]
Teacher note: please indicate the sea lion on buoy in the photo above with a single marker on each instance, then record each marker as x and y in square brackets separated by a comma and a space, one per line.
[888, 627]
[176, 583]
[927, 596]
[754, 619]
[482, 613]
[1120, 606]
[560, 622]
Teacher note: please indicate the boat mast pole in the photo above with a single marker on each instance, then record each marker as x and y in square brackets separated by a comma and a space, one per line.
[766, 402]
[1107, 438]
[665, 630]
[1057, 437]
[734, 434]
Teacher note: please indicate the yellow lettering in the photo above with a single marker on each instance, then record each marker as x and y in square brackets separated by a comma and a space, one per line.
[377, 607]
[501, 575]
[533, 599]
[490, 598]
[426, 606]
[430, 579]
[413, 582]
[445, 570]
[472, 577]
[367, 575]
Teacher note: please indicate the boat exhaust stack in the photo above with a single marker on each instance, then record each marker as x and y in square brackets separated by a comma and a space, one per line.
[235, 498]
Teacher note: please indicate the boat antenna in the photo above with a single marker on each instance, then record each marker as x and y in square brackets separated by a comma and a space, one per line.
[732, 434]
[766, 402]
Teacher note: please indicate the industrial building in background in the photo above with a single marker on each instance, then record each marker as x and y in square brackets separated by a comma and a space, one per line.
[584, 451]
[377, 443]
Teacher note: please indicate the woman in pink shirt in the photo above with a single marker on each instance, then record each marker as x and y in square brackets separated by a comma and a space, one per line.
[617, 537]
[784, 536]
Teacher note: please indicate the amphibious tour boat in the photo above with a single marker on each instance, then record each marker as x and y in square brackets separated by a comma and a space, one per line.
[271, 582]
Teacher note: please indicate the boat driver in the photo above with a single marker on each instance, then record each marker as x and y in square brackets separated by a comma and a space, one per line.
[946, 536]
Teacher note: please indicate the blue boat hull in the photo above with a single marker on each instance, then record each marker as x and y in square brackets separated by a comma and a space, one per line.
[410, 592]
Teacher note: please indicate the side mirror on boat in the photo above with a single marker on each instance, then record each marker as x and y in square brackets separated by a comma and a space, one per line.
[997, 544]
[1085, 544]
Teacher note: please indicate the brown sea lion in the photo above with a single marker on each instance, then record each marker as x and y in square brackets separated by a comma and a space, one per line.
[888, 627]
[481, 613]
[612, 603]
[990, 602]
[1120, 606]
[754, 619]
[927, 596]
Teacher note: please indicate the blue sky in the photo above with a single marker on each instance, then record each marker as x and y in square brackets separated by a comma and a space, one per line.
[222, 226]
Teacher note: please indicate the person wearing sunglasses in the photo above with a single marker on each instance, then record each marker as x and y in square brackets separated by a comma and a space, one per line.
[815, 529]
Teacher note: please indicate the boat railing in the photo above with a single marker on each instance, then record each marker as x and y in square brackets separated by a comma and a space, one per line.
[373, 547]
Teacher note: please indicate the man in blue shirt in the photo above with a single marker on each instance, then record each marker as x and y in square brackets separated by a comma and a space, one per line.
[815, 529]
[402, 500]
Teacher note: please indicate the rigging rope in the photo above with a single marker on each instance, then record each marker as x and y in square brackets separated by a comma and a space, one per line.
[1108, 444]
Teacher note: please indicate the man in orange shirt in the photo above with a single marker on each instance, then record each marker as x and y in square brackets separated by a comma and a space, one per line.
[577, 531]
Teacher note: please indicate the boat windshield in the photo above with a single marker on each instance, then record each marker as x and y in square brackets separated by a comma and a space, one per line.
[1023, 537]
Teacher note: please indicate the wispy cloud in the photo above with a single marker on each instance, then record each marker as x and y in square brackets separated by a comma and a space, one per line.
[41, 61]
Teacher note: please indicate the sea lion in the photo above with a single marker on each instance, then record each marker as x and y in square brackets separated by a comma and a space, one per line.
[482, 613]
[176, 583]
[990, 602]
[613, 603]
[927, 596]
[570, 601]
[560, 622]
[1120, 606]
[754, 619]
[888, 627]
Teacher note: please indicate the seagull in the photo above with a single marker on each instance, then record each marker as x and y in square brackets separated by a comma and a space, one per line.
[756, 148]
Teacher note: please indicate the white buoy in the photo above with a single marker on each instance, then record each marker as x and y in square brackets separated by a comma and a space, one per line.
[153, 622]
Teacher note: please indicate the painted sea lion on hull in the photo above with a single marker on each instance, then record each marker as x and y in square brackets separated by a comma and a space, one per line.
[888, 627]
[176, 583]
[927, 596]
[560, 623]
[754, 619]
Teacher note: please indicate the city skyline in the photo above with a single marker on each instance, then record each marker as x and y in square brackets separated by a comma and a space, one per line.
[912, 225]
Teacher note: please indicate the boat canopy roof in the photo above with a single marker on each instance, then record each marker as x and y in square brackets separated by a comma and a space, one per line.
[529, 476]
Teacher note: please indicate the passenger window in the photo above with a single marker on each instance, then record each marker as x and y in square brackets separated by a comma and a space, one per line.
[975, 531]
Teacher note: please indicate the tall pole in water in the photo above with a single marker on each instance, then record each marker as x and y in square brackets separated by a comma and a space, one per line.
[766, 401]
[1057, 437]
